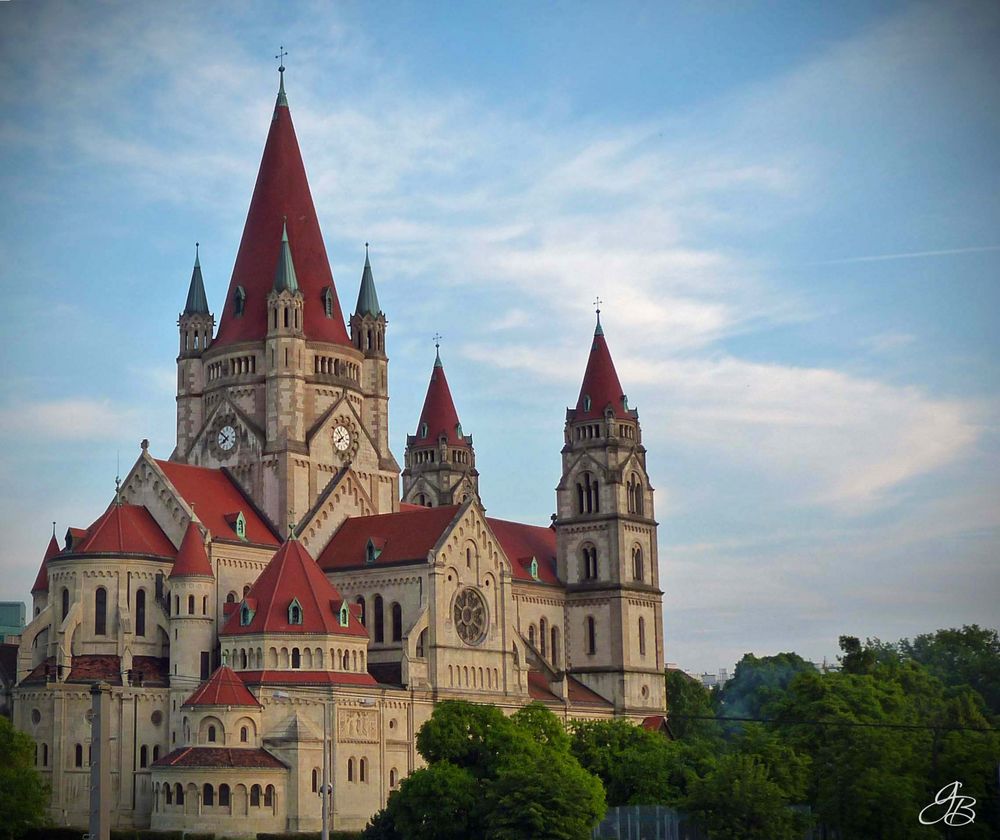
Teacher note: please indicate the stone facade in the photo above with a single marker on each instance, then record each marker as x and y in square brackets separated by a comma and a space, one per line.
[282, 434]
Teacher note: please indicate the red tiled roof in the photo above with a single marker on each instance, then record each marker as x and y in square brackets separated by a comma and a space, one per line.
[521, 542]
[192, 559]
[88, 668]
[438, 413]
[42, 579]
[219, 757]
[405, 536]
[281, 195]
[538, 688]
[655, 723]
[577, 692]
[305, 678]
[406, 506]
[73, 536]
[223, 688]
[214, 496]
[293, 574]
[601, 384]
[125, 529]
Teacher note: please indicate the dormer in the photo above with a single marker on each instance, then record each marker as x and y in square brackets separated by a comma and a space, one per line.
[238, 522]
[295, 612]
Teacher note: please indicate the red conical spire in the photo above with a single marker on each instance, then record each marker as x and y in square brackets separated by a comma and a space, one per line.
[438, 416]
[601, 386]
[281, 195]
[42, 579]
[192, 559]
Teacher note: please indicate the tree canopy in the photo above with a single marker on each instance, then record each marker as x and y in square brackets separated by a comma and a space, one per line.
[24, 795]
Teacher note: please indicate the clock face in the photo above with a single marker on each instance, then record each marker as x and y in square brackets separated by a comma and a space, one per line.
[227, 438]
[341, 438]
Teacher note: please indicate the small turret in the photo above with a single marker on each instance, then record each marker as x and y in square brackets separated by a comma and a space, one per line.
[196, 325]
[440, 459]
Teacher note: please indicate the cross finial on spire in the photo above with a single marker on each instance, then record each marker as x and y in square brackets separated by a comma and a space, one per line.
[282, 52]
[53, 529]
[437, 349]
[291, 524]
[597, 306]
[118, 491]
[282, 99]
[196, 254]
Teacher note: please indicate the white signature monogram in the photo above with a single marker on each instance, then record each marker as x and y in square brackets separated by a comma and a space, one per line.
[958, 811]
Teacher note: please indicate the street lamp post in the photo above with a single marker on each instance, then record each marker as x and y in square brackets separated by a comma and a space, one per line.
[326, 790]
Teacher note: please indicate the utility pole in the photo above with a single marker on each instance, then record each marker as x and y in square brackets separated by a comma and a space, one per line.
[100, 766]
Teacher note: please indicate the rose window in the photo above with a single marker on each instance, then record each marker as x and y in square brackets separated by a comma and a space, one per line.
[470, 616]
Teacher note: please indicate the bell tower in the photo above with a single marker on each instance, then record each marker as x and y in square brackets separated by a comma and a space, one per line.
[606, 544]
[440, 461]
[368, 325]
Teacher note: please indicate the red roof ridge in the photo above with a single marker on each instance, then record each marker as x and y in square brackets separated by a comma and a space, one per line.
[125, 529]
[601, 387]
[223, 688]
[292, 575]
[438, 417]
[281, 198]
[42, 578]
[192, 559]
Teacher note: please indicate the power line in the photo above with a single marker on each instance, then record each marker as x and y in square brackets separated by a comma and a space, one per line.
[858, 724]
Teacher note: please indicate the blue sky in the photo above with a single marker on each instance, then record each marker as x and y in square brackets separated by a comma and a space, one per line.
[791, 211]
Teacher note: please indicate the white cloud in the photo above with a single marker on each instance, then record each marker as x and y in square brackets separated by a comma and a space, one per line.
[71, 419]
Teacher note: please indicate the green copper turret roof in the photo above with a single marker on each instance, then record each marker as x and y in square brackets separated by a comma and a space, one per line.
[284, 274]
[367, 297]
[197, 300]
[282, 101]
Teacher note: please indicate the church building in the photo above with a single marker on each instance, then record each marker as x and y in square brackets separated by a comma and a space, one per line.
[276, 595]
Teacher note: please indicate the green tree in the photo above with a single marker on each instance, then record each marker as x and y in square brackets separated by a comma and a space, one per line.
[543, 795]
[637, 767]
[738, 800]
[24, 795]
[689, 702]
[492, 776]
[758, 682]
[969, 656]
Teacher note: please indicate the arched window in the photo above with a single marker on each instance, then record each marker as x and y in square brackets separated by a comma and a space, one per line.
[239, 301]
[543, 631]
[223, 796]
[393, 777]
[642, 636]
[350, 769]
[140, 612]
[204, 605]
[315, 780]
[637, 568]
[190, 604]
[589, 562]
[422, 643]
[296, 658]
[156, 752]
[378, 618]
[295, 612]
[591, 636]
[362, 769]
[208, 795]
[45, 755]
[244, 735]
[177, 604]
[255, 796]
[178, 794]
[101, 611]
[143, 756]
[269, 796]
[635, 495]
[211, 734]
[65, 603]
[397, 622]
[555, 646]
[231, 598]
[78, 756]
[360, 601]
[243, 660]
[169, 794]
[531, 635]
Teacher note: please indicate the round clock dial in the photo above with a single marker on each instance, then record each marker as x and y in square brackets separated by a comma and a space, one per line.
[341, 438]
[227, 438]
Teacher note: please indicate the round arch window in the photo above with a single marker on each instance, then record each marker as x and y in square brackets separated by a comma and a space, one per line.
[470, 616]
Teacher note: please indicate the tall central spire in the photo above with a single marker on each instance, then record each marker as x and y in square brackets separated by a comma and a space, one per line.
[281, 202]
